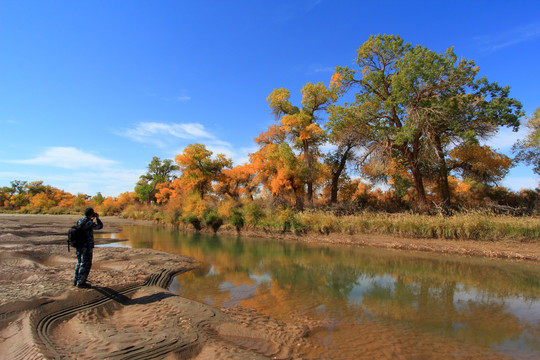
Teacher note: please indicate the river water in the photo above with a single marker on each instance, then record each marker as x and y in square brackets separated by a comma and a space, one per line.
[365, 302]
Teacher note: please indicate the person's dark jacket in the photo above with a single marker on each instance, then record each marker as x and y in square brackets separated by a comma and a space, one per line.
[89, 226]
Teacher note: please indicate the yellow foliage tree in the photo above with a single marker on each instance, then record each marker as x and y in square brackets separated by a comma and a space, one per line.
[199, 169]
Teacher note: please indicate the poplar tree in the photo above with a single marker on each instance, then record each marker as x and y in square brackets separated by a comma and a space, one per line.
[418, 105]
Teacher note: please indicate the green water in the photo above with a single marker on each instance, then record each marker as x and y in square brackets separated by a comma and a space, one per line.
[365, 302]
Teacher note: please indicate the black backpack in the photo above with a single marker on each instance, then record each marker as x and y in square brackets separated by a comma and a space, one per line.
[76, 236]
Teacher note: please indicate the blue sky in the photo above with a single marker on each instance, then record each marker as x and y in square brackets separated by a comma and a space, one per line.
[90, 91]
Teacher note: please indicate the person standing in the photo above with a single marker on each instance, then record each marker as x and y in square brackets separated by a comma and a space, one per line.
[85, 252]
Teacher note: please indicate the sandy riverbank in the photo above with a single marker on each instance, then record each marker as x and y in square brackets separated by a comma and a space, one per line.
[128, 312]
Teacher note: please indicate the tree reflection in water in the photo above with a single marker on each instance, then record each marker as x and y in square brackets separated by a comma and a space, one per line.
[419, 303]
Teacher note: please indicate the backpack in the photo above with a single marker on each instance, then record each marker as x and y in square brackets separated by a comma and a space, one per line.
[76, 236]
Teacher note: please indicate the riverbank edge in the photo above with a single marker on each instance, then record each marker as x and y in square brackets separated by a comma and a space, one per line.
[501, 249]
[512, 249]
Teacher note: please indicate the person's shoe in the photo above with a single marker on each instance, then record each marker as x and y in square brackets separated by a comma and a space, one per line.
[83, 286]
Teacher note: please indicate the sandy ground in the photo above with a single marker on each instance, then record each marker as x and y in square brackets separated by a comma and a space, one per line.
[129, 313]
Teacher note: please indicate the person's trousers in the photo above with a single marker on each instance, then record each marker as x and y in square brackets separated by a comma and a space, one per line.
[84, 263]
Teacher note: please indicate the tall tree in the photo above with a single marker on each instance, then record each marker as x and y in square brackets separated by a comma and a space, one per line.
[528, 149]
[418, 104]
[278, 168]
[303, 126]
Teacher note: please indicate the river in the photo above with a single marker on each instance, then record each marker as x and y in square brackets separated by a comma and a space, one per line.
[374, 302]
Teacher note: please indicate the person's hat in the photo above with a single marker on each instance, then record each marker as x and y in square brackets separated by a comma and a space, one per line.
[88, 212]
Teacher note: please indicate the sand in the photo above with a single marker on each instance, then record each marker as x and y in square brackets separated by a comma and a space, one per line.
[128, 313]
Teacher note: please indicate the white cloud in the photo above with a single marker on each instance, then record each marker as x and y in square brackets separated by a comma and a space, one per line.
[67, 158]
[242, 156]
[494, 42]
[314, 69]
[506, 138]
[162, 134]
[166, 135]
[239, 156]
[183, 98]
[110, 182]
[517, 183]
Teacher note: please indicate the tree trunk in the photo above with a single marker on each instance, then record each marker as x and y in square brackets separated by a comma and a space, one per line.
[418, 181]
[298, 200]
[337, 174]
[444, 188]
[334, 188]
[412, 157]
[309, 194]
[309, 165]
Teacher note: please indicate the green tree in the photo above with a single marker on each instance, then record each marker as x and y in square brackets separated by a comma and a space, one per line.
[18, 187]
[158, 172]
[347, 136]
[19, 194]
[98, 199]
[528, 149]
[418, 104]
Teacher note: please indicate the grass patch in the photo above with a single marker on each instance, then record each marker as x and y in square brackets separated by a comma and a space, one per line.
[467, 226]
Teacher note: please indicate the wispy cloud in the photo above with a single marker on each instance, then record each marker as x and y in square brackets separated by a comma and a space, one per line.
[287, 11]
[315, 69]
[176, 136]
[517, 183]
[182, 97]
[163, 134]
[506, 138]
[495, 42]
[311, 4]
[111, 182]
[75, 171]
[67, 158]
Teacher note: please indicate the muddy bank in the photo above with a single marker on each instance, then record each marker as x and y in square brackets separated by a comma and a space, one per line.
[127, 313]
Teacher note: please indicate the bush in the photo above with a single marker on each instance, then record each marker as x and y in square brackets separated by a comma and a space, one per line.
[237, 220]
[212, 219]
[253, 214]
[319, 221]
[194, 221]
[287, 220]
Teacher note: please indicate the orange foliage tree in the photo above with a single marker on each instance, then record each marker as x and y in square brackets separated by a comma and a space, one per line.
[278, 168]
[237, 182]
[199, 169]
[302, 126]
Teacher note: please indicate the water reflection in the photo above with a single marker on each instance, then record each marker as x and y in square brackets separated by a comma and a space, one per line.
[420, 304]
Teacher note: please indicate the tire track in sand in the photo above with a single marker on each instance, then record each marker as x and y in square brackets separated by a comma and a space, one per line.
[46, 320]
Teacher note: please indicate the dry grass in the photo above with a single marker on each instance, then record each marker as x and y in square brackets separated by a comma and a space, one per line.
[467, 226]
